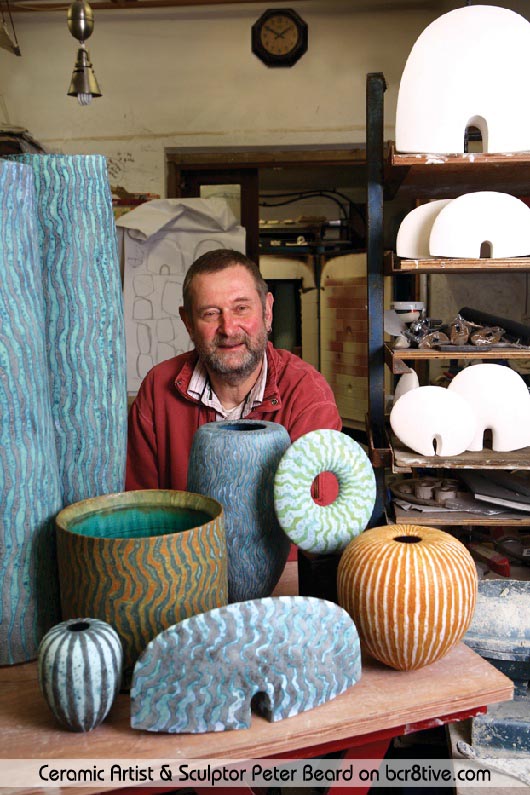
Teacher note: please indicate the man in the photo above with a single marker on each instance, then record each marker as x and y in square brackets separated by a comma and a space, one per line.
[232, 373]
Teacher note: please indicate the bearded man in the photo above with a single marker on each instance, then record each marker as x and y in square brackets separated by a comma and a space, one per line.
[233, 372]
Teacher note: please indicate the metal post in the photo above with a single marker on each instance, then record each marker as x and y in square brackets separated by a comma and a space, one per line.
[375, 88]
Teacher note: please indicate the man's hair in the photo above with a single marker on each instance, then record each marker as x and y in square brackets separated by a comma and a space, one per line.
[218, 260]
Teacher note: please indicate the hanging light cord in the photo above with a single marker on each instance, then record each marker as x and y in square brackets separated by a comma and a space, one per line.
[16, 48]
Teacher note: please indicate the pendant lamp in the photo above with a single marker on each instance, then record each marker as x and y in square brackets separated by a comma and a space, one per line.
[84, 85]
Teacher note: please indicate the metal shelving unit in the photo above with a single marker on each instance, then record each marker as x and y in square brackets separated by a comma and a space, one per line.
[427, 176]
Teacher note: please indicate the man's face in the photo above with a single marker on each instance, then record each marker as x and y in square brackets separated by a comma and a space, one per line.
[228, 324]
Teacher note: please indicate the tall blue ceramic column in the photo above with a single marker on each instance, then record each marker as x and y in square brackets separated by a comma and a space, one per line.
[30, 493]
[83, 320]
[235, 463]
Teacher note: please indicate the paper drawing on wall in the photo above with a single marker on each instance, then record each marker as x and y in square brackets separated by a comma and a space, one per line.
[482, 224]
[489, 397]
[469, 67]
[153, 296]
[161, 240]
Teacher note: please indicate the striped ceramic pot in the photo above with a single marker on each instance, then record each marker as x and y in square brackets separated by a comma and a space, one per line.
[141, 560]
[79, 668]
[410, 590]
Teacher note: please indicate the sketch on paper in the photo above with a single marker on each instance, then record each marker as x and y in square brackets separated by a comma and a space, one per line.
[155, 264]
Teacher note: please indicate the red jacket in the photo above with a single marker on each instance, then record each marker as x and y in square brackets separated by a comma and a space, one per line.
[163, 418]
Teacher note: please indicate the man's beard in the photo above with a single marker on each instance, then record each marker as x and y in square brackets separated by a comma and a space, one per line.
[219, 363]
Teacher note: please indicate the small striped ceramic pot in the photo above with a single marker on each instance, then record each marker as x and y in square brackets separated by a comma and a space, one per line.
[141, 561]
[79, 667]
[410, 590]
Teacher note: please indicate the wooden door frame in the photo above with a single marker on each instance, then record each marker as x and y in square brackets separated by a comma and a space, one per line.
[241, 166]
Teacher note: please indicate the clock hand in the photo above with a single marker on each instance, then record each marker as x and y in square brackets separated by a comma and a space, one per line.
[281, 33]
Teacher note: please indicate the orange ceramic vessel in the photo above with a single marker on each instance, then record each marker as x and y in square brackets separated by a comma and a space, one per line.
[410, 590]
[141, 561]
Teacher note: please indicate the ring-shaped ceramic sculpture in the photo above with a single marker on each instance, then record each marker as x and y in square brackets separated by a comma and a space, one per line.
[324, 528]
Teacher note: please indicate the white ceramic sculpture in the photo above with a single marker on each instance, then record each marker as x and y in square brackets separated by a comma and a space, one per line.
[499, 400]
[433, 421]
[407, 382]
[414, 232]
[468, 67]
[498, 220]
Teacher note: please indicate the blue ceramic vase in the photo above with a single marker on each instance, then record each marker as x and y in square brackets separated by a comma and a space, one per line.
[30, 493]
[83, 321]
[235, 462]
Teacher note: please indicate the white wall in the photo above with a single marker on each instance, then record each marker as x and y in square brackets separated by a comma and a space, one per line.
[186, 77]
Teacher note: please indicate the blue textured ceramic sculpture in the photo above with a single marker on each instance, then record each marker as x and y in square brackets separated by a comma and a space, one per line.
[235, 463]
[80, 667]
[83, 321]
[324, 528]
[29, 480]
[284, 654]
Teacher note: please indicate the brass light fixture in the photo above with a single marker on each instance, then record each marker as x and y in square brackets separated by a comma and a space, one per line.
[84, 85]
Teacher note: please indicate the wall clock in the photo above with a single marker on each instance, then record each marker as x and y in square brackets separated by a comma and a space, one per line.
[279, 37]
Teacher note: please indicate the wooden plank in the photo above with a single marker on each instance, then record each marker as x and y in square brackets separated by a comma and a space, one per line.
[267, 156]
[383, 700]
[394, 357]
[405, 460]
[450, 518]
[395, 264]
[447, 176]
[460, 160]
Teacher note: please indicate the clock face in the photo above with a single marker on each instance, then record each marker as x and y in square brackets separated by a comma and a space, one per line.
[279, 35]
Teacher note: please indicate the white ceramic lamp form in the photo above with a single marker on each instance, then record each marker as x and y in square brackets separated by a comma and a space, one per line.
[500, 401]
[498, 221]
[468, 67]
[433, 421]
[415, 230]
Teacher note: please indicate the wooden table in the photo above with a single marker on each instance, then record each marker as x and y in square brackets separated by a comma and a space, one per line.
[383, 704]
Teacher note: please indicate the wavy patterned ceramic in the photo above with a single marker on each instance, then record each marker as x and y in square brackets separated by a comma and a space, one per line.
[83, 321]
[411, 591]
[235, 462]
[79, 669]
[317, 528]
[284, 654]
[141, 561]
[29, 479]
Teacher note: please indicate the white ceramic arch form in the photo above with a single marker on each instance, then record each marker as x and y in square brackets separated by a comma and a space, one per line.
[468, 67]
[433, 421]
[487, 221]
[500, 401]
[413, 235]
[406, 382]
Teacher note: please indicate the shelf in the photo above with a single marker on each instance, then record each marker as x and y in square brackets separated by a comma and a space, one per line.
[395, 264]
[395, 358]
[460, 160]
[449, 518]
[406, 460]
[443, 176]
